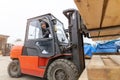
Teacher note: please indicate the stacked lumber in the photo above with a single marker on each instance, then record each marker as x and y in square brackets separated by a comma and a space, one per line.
[104, 67]
[100, 14]
[84, 75]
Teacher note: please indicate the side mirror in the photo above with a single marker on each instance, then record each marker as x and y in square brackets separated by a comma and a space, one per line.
[54, 21]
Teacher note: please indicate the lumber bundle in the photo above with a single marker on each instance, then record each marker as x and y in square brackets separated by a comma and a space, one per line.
[104, 67]
[98, 14]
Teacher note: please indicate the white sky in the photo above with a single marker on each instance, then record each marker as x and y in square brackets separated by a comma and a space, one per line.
[14, 14]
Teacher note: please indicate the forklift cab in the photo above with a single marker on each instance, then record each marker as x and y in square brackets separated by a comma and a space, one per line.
[36, 44]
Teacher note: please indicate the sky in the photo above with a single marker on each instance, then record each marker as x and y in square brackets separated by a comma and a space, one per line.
[14, 14]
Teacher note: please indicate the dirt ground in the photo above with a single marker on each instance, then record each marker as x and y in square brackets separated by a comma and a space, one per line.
[4, 61]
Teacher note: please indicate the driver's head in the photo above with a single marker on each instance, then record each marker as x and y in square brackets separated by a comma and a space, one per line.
[43, 25]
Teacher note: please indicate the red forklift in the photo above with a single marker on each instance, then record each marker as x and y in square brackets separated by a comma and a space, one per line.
[57, 57]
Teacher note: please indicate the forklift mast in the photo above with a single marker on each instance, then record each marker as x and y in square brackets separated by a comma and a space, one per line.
[76, 38]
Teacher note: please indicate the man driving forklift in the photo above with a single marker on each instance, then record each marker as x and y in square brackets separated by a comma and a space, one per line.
[45, 30]
[45, 33]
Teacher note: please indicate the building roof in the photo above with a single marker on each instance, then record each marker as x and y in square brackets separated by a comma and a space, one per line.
[3, 36]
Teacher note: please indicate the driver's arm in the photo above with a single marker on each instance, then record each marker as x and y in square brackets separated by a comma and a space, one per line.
[46, 34]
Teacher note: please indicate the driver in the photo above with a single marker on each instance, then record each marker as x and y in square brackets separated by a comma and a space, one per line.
[45, 29]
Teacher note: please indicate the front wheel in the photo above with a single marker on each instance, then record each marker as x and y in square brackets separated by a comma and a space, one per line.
[62, 69]
[14, 69]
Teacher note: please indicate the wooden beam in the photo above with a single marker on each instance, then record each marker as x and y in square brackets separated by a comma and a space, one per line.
[104, 67]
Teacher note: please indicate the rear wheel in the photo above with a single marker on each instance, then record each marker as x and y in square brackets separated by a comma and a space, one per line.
[14, 69]
[62, 69]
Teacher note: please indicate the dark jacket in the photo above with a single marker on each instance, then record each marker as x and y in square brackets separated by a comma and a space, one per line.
[45, 32]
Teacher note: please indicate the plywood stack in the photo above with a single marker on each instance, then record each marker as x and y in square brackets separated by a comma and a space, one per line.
[104, 68]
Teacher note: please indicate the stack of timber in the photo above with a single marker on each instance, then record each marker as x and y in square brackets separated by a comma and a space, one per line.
[104, 67]
[101, 17]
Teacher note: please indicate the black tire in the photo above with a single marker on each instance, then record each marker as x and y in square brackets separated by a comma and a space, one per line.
[14, 69]
[62, 69]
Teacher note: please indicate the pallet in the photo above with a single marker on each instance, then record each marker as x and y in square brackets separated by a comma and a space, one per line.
[104, 67]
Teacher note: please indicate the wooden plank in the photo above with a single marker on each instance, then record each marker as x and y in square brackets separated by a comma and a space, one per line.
[94, 12]
[110, 32]
[106, 32]
[112, 13]
[109, 62]
[104, 68]
[95, 69]
[94, 33]
[84, 75]
[105, 38]
[91, 12]
[116, 58]
[93, 62]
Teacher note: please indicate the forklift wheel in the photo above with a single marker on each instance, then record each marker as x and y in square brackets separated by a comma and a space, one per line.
[14, 69]
[62, 69]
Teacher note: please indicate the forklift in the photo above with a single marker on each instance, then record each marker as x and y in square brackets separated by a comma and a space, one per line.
[57, 57]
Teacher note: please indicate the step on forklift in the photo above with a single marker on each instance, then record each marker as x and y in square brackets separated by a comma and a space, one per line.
[59, 56]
